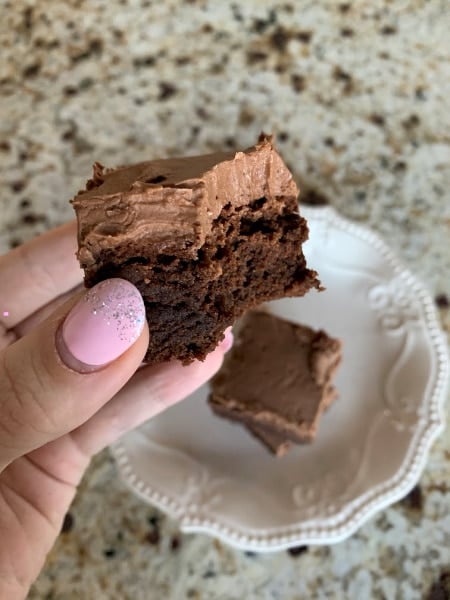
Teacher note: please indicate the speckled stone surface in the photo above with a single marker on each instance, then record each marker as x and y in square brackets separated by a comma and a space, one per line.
[357, 93]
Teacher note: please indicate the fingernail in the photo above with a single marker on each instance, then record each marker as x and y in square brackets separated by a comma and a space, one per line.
[102, 325]
[227, 341]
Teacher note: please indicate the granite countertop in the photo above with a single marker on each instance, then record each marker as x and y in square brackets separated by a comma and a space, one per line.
[357, 93]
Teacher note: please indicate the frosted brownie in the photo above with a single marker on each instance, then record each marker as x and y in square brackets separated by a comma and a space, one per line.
[203, 238]
[277, 379]
[278, 443]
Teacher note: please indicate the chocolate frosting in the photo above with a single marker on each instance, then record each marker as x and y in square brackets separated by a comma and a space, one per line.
[277, 373]
[173, 202]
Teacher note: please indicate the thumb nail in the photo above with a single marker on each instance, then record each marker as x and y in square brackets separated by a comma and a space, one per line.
[104, 323]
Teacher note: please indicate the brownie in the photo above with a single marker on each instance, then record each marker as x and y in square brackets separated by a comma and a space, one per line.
[276, 441]
[203, 238]
[277, 379]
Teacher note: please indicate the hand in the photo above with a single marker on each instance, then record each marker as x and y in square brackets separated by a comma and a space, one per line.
[70, 384]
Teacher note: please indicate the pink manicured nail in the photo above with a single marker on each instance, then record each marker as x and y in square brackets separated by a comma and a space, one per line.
[227, 341]
[102, 325]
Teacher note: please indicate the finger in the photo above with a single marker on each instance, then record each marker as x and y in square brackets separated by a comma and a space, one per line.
[8, 336]
[152, 390]
[61, 373]
[43, 313]
[35, 273]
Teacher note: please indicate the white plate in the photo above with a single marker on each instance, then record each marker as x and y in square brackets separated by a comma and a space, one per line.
[372, 443]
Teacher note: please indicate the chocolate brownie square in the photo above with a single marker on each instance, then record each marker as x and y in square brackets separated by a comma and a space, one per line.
[277, 379]
[203, 238]
[277, 443]
[274, 441]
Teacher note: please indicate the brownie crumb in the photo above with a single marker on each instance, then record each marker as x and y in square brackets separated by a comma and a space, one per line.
[68, 523]
[344, 8]
[14, 242]
[414, 500]
[283, 136]
[442, 301]
[440, 590]
[347, 32]
[250, 554]
[175, 543]
[329, 141]
[109, 553]
[297, 550]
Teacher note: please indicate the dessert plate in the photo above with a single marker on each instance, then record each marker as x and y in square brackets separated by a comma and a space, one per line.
[372, 443]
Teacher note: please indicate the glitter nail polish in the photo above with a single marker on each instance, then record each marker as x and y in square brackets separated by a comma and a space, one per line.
[103, 324]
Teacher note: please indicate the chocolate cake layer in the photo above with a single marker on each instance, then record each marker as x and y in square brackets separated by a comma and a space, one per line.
[203, 238]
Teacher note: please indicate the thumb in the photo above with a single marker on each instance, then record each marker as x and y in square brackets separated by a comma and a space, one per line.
[58, 376]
